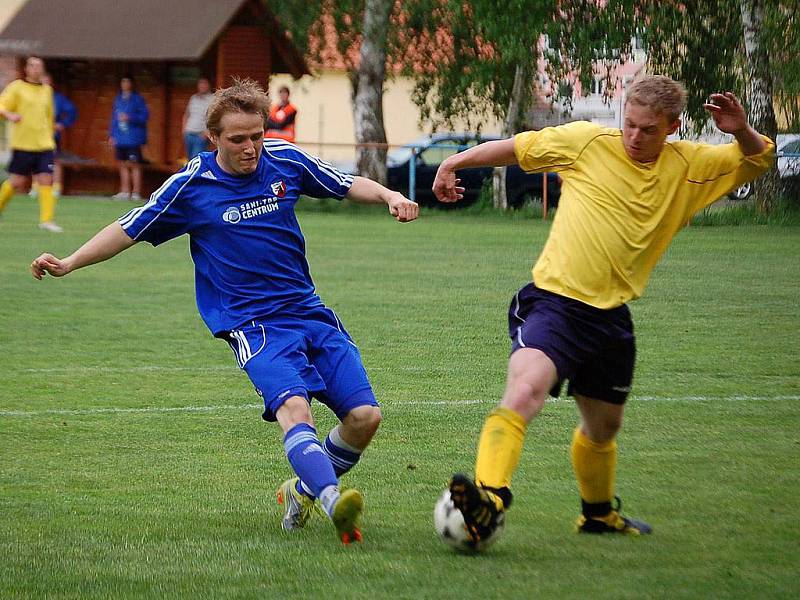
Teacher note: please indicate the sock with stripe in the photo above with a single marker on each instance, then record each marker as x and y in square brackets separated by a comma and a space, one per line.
[343, 457]
[499, 449]
[6, 192]
[309, 461]
[595, 466]
[47, 204]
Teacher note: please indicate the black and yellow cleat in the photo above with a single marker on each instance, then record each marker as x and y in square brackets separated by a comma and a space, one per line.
[481, 508]
[610, 522]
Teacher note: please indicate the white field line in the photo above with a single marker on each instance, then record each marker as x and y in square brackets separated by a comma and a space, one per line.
[444, 403]
[193, 369]
[134, 369]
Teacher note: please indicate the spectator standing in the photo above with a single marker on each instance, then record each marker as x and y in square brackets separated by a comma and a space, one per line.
[195, 136]
[28, 104]
[128, 133]
[282, 118]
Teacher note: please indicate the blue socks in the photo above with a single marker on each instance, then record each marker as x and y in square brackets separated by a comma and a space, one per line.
[308, 459]
[342, 456]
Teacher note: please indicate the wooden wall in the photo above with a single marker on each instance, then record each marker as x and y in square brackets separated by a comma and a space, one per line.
[241, 51]
[244, 51]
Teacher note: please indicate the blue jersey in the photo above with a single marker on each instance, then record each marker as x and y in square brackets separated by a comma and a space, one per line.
[246, 244]
[132, 132]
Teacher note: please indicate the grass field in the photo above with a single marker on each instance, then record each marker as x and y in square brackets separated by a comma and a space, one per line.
[134, 464]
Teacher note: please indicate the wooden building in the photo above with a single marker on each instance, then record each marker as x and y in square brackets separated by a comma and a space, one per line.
[88, 45]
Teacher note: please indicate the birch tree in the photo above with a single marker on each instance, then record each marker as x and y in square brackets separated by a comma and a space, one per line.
[368, 97]
[759, 84]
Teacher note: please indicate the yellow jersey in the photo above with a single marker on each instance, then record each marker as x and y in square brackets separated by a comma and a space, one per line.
[616, 216]
[34, 103]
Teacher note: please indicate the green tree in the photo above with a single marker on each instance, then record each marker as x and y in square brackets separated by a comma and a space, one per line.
[472, 60]
[363, 35]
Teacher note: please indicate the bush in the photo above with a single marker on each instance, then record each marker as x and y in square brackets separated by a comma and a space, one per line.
[785, 212]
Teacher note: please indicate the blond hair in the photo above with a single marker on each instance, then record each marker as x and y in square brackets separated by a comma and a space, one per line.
[245, 96]
[659, 92]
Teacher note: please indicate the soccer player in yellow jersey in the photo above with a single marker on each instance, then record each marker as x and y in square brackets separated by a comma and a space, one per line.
[625, 194]
[28, 104]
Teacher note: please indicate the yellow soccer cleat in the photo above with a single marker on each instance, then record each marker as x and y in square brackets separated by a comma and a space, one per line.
[298, 507]
[346, 516]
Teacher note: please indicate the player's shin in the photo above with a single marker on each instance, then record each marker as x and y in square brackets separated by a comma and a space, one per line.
[343, 456]
[6, 192]
[310, 462]
[47, 204]
[595, 466]
[499, 451]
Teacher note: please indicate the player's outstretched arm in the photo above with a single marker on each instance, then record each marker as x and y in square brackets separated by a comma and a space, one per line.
[729, 116]
[499, 153]
[108, 242]
[371, 192]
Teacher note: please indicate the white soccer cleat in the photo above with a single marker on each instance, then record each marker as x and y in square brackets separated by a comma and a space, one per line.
[51, 227]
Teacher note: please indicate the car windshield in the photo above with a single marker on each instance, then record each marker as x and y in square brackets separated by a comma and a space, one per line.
[432, 151]
[398, 156]
[791, 147]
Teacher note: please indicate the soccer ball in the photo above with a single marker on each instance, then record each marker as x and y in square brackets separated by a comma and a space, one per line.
[449, 523]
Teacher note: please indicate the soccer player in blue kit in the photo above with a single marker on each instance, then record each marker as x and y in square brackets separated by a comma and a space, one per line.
[254, 290]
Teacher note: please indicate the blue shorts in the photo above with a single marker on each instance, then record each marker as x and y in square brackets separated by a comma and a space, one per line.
[595, 349]
[31, 163]
[310, 356]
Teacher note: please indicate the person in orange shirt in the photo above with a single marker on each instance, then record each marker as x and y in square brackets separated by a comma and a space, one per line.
[282, 118]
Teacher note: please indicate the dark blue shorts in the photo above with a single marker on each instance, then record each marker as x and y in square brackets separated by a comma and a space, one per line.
[310, 356]
[593, 348]
[128, 153]
[31, 163]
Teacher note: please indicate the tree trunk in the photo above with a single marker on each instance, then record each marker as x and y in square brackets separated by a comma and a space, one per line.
[368, 98]
[762, 113]
[510, 126]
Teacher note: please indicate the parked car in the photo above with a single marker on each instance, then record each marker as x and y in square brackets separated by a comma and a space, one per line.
[431, 151]
[788, 150]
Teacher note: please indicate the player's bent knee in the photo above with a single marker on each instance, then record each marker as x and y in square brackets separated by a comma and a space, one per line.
[524, 401]
[364, 419]
[293, 411]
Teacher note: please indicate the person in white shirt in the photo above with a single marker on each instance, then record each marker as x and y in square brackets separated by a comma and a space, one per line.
[195, 136]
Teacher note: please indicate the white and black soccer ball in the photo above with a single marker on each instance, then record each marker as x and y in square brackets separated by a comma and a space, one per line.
[449, 523]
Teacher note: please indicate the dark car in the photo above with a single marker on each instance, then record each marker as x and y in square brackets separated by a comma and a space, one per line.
[431, 151]
[788, 164]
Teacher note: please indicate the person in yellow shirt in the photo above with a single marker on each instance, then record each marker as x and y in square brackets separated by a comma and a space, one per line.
[28, 104]
[625, 194]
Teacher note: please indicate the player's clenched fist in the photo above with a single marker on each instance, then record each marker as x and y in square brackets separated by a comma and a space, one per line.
[47, 263]
[404, 209]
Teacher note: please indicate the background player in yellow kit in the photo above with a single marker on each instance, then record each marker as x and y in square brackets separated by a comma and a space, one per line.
[28, 104]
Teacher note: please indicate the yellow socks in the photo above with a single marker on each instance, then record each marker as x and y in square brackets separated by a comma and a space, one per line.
[6, 192]
[499, 449]
[595, 468]
[47, 203]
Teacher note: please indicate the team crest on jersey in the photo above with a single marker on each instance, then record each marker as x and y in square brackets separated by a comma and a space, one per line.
[279, 188]
[251, 209]
[232, 215]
